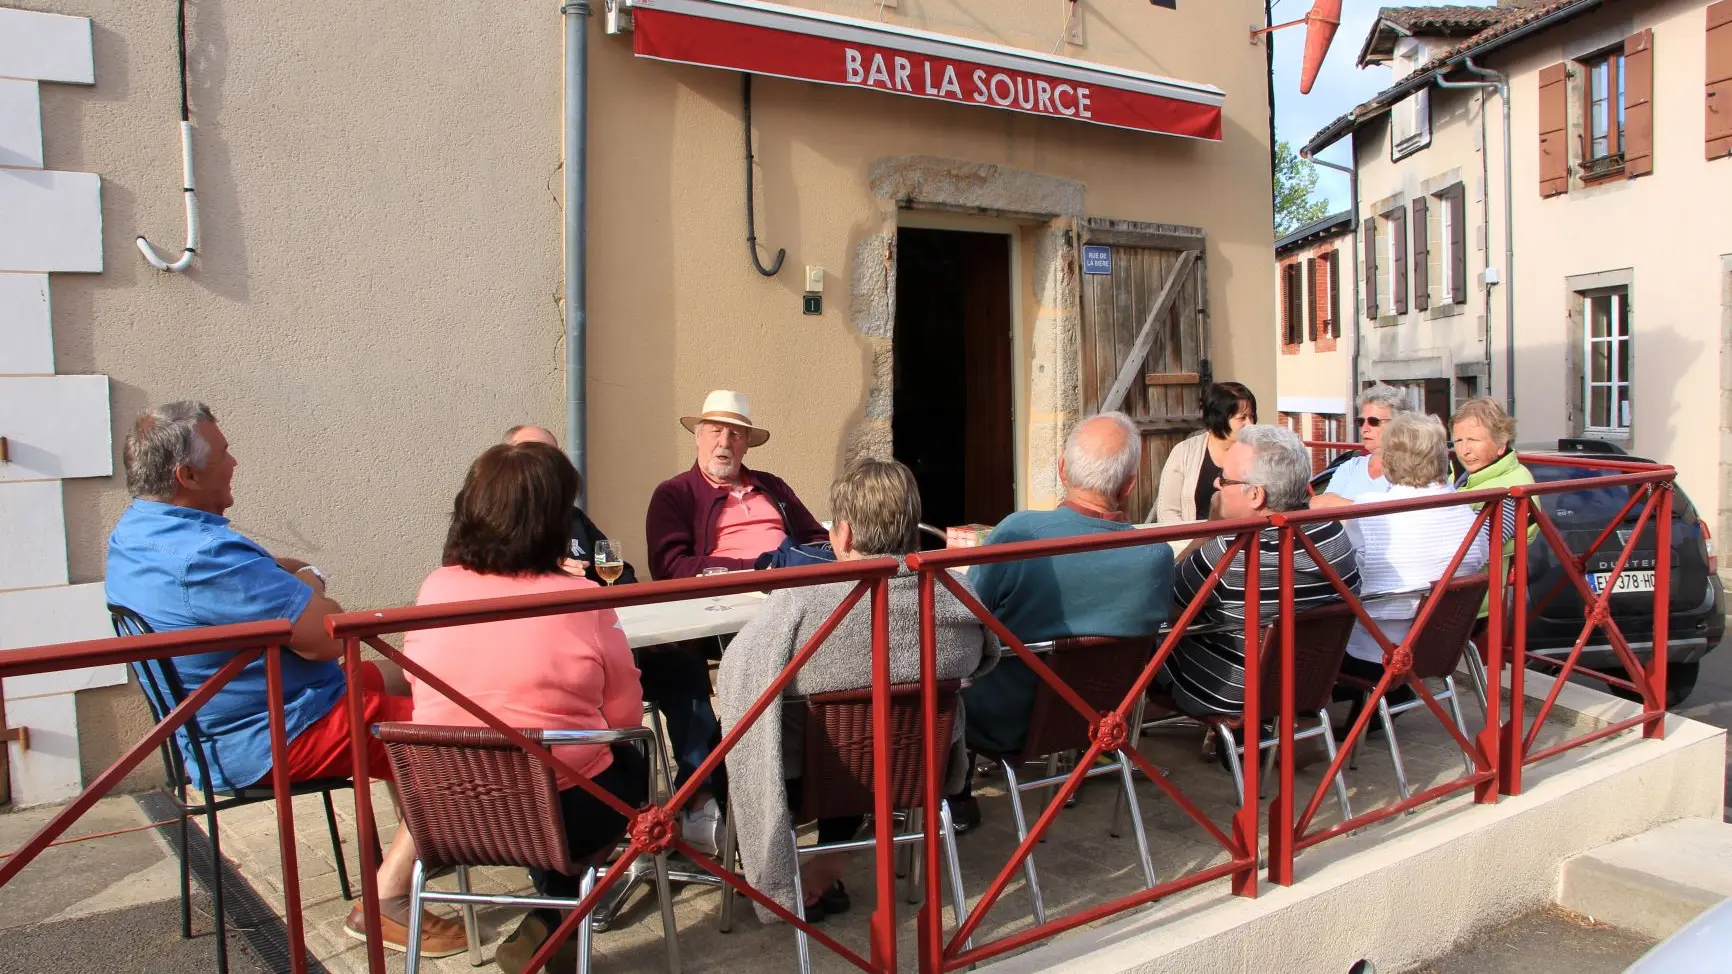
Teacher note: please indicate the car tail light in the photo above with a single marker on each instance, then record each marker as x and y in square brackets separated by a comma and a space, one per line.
[1708, 546]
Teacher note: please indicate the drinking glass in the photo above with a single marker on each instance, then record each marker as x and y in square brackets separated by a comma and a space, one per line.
[609, 560]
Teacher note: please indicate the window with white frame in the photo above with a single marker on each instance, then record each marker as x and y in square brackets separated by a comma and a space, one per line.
[1606, 361]
[1410, 124]
[1445, 251]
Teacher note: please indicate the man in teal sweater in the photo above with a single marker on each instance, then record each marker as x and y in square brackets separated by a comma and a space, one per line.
[1117, 592]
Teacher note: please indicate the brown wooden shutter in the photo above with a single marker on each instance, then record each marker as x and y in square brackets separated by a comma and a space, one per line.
[1639, 103]
[1398, 256]
[1371, 268]
[1421, 255]
[1554, 130]
[1311, 299]
[1289, 327]
[1719, 94]
[1456, 200]
[1335, 294]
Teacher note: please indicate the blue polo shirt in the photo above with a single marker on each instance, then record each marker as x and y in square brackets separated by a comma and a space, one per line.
[180, 569]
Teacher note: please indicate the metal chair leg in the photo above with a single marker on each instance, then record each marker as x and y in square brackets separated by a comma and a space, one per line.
[1136, 738]
[417, 879]
[1394, 748]
[1329, 749]
[670, 929]
[1460, 722]
[911, 887]
[585, 933]
[801, 949]
[1476, 670]
[1028, 871]
[337, 847]
[216, 887]
[1136, 818]
[725, 923]
[471, 932]
[958, 900]
[1225, 742]
[1268, 769]
[185, 875]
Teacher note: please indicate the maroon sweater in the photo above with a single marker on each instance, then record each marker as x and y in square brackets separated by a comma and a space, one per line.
[681, 525]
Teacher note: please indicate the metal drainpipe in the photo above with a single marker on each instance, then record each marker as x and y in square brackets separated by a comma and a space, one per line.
[1353, 232]
[1501, 83]
[576, 13]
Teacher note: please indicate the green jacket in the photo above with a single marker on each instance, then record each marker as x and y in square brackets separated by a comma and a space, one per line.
[1506, 471]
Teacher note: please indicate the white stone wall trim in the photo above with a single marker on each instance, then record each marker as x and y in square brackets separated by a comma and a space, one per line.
[57, 427]
[46, 47]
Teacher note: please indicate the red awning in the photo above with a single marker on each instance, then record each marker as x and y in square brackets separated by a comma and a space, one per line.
[805, 45]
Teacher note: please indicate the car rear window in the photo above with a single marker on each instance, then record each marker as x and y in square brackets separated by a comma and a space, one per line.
[1593, 506]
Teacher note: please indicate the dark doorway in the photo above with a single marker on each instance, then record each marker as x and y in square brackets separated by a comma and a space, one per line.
[1437, 399]
[953, 410]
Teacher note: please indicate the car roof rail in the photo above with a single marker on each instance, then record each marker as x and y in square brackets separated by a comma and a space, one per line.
[1575, 444]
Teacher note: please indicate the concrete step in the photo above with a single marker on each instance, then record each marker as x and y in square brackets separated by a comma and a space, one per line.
[1655, 882]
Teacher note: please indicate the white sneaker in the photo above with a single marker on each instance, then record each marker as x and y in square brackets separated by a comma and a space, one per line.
[701, 827]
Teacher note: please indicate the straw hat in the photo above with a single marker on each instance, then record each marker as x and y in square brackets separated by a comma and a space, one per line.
[732, 408]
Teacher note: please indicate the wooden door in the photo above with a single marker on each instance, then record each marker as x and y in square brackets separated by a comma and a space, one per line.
[1150, 305]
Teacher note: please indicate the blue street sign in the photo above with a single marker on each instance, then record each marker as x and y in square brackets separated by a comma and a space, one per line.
[1097, 259]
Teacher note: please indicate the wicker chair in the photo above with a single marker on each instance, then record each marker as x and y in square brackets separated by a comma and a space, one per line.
[1102, 670]
[837, 772]
[472, 798]
[1437, 651]
[163, 691]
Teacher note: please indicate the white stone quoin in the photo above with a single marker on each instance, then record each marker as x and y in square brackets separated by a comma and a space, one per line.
[57, 427]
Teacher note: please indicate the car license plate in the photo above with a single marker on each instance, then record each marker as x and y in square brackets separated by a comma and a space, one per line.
[1627, 582]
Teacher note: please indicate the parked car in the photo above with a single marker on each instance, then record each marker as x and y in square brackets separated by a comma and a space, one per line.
[1697, 621]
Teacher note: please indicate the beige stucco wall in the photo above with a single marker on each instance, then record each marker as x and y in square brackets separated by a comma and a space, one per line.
[377, 292]
[1445, 339]
[1671, 230]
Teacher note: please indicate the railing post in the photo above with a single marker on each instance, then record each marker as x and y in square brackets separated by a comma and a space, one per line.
[1281, 829]
[1245, 819]
[1510, 750]
[884, 824]
[1486, 792]
[1656, 691]
[365, 827]
[930, 926]
[285, 808]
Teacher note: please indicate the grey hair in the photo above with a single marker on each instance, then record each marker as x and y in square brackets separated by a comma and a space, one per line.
[161, 440]
[1109, 474]
[1388, 396]
[1280, 466]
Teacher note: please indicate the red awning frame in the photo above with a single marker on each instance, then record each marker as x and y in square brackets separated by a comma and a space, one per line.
[735, 34]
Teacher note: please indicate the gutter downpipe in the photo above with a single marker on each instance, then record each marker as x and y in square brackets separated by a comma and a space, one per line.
[576, 14]
[1353, 232]
[1500, 82]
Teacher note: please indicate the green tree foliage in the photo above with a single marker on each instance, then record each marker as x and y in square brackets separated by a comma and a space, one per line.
[1295, 182]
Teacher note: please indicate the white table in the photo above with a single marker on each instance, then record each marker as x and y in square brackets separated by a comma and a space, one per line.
[670, 622]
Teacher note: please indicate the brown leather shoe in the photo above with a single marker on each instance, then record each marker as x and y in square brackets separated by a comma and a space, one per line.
[439, 937]
[515, 951]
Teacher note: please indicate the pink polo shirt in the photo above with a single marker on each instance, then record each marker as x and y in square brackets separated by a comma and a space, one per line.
[750, 523]
[566, 672]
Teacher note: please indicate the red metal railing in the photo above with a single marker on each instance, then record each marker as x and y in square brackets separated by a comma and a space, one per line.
[1498, 754]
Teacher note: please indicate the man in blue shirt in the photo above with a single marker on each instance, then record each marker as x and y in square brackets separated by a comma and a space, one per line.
[174, 561]
[1120, 592]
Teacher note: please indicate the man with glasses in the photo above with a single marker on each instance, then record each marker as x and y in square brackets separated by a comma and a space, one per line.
[1266, 471]
[1362, 476]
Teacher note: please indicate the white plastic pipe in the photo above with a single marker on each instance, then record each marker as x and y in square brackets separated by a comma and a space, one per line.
[186, 256]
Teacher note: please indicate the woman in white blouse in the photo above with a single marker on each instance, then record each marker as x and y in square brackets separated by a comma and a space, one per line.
[1409, 550]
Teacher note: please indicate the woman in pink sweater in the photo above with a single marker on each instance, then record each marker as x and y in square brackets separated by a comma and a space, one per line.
[510, 530]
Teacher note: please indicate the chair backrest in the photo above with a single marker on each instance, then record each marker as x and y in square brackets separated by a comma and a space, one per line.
[1438, 647]
[1101, 669]
[163, 691]
[1319, 643]
[472, 798]
[836, 772]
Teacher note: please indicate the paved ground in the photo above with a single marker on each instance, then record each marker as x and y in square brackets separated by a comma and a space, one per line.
[1712, 703]
[1551, 940]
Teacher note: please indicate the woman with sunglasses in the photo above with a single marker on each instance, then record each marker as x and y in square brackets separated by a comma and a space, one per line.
[1363, 475]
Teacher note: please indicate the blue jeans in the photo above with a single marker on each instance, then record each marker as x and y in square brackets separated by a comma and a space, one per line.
[676, 678]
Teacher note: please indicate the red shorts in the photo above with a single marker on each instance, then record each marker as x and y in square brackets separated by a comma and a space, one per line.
[322, 750]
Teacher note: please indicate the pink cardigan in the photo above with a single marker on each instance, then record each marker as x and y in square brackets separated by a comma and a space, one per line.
[564, 672]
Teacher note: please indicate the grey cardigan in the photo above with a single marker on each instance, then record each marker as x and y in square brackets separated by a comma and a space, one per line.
[769, 752]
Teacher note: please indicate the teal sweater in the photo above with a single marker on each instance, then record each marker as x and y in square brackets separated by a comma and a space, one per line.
[1121, 592]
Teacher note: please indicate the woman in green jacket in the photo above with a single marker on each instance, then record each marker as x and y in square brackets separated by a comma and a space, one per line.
[1485, 458]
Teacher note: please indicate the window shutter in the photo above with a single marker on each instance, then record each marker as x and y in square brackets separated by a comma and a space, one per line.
[1371, 268]
[1639, 103]
[1554, 130]
[1398, 256]
[1286, 305]
[1456, 200]
[1311, 299]
[1421, 255]
[1335, 294]
[1719, 94]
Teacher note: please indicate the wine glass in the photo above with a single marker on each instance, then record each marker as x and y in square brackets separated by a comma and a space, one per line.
[609, 560]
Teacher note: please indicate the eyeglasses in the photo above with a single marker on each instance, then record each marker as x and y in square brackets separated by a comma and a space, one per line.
[1371, 421]
[1230, 482]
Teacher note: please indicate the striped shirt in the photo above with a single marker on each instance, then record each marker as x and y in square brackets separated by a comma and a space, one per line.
[1406, 551]
[1206, 674]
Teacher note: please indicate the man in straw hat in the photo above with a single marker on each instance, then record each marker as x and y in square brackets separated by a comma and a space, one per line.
[717, 515]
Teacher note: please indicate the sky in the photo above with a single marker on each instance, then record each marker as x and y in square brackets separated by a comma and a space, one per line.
[1340, 85]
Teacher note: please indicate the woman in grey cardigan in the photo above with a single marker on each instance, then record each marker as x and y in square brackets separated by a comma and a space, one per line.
[876, 506]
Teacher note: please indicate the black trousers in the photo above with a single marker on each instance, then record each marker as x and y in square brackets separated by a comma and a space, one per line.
[829, 829]
[590, 825]
[676, 678]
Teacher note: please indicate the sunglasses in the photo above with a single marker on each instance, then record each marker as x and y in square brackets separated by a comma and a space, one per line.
[1371, 421]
